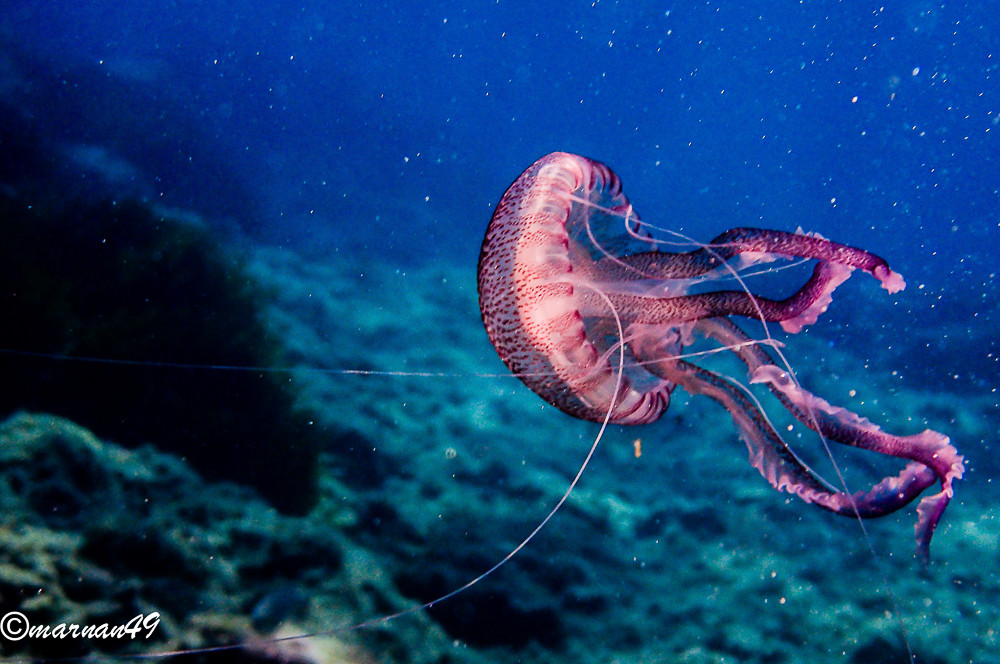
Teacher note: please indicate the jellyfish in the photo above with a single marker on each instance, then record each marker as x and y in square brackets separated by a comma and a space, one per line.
[570, 279]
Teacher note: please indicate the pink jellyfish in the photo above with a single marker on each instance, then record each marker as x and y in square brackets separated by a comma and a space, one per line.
[570, 281]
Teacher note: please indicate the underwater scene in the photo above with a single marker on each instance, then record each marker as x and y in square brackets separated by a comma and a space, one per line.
[506, 332]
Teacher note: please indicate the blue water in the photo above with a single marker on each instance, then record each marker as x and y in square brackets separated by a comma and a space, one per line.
[388, 131]
[873, 125]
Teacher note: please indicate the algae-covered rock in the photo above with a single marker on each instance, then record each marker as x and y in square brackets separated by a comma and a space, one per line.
[144, 301]
[94, 533]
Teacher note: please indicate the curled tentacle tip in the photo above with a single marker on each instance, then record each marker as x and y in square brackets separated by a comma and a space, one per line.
[891, 281]
[929, 512]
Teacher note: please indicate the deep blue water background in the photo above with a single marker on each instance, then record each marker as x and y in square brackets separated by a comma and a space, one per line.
[389, 131]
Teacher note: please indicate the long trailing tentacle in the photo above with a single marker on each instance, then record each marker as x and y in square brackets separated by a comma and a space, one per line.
[931, 454]
[779, 465]
[769, 453]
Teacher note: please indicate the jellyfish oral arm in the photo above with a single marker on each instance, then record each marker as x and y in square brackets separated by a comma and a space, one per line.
[934, 456]
[798, 310]
[783, 470]
[765, 245]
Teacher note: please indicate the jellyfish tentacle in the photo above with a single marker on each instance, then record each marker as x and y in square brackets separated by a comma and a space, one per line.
[931, 454]
[799, 309]
[929, 448]
[736, 241]
[772, 457]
